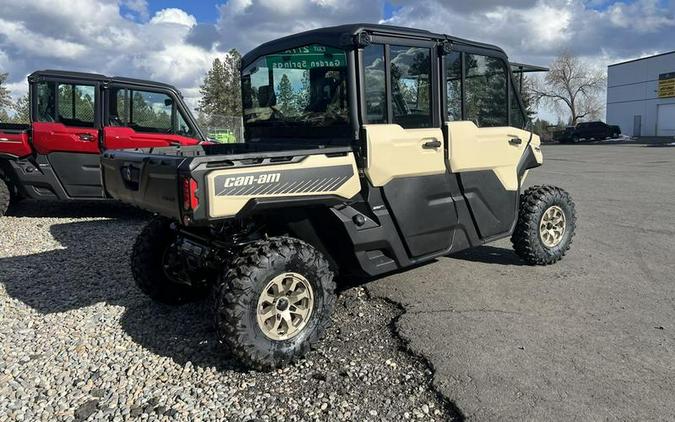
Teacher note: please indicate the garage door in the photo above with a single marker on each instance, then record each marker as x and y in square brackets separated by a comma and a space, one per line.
[665, 123]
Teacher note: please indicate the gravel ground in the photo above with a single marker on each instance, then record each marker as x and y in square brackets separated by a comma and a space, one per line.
[78, 341]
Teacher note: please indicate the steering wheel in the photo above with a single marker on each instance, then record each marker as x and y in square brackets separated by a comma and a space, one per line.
[276, 113]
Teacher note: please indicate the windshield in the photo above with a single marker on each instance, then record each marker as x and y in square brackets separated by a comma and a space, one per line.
[305, 86]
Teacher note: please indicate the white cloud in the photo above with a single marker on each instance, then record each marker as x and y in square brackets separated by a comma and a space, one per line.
[247, 23]
[537, 30]
[33, 43]
[172, 46]
[41, 34]
[173, 15]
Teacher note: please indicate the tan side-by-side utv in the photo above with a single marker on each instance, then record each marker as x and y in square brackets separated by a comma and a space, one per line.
[367, 149]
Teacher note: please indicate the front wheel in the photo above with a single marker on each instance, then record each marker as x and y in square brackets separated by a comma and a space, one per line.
[5, 197]
[157, 269]
[545, 227]
[274, 302]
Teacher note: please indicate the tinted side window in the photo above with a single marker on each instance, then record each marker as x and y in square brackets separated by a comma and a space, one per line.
[411, 86]
[183, 128]
[143, 111]
[119, 112]
[453, 85]
[46, 102]
[485, 90]
[151, 111]
[76, 105]
[375, 94]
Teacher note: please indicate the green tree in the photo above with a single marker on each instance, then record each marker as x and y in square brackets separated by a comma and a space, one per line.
[302, 96]
[527, 94]
[221, 89]
[233, 83]
[285, 99]
[213, 90]
[22, 110]
[5, 98]
[544, 129]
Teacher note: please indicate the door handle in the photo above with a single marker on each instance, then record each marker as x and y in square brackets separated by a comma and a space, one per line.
[431, 144]
[515, 141]
[86, 137]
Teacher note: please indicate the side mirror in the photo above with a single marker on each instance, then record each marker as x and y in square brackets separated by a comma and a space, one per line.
[168, 102]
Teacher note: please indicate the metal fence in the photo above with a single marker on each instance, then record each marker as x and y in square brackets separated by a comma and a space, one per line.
[224, 129]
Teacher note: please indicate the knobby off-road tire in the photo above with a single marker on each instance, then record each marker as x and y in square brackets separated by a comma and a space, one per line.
[5, 197]
[546, 224]
[252, 289]
[147, 265]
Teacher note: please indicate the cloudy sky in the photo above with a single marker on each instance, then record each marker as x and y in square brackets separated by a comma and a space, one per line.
[175, 41]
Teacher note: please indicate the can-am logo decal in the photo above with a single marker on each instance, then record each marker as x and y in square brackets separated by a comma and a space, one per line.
[285, 182]
[251, 180]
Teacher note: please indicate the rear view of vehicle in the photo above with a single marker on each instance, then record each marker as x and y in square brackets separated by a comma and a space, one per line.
[368, 149]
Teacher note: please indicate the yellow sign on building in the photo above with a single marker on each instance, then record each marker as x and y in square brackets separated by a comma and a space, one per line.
[667, 85]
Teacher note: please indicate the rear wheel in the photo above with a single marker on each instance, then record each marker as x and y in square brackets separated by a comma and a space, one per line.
[5, 197]
[546, 224]
[275, 302]
[156, 267]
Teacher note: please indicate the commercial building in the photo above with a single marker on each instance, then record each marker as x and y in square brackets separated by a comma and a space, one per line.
[641, 95]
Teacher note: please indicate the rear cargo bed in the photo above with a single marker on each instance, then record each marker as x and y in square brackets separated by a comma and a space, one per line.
[154, 178]
[15, 140]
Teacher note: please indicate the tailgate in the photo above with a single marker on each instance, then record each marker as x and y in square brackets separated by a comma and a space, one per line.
[144, 180]
[307, 175]
[14, 140]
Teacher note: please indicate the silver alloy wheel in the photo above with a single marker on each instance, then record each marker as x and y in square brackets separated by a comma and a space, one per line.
[552, 226]
[285, 306]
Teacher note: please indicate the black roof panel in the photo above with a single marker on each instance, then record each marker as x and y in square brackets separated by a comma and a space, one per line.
[66, 74]
[341, 36]
[525, 68]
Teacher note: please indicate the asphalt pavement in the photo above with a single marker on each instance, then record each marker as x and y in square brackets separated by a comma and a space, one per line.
[589, 338]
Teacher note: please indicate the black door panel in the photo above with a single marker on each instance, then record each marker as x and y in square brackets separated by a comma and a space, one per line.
[80, 174]
[424, 211]
[492, 207]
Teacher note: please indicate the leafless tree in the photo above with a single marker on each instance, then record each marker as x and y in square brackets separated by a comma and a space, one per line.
[572, 86]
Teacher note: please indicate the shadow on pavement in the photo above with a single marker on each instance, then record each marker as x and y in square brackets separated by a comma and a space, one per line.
[74, 209]
[646, 141]
[93, 267]
[490, 255]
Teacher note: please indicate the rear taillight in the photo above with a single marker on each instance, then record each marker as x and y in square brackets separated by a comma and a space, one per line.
[190, 199]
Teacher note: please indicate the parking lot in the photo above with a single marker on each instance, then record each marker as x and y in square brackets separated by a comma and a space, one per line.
[477, 335]
[590, 338]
